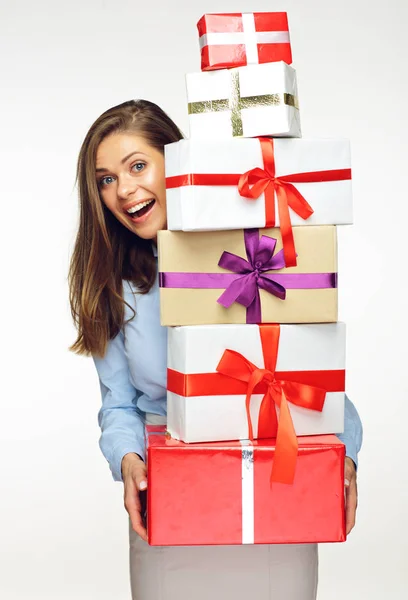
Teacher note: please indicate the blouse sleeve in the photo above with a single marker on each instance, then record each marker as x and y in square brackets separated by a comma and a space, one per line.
[353, 431]
[121, 423]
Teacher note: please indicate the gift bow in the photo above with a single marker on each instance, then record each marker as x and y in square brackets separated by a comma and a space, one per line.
[279, 393]
[245, 289]
[265, 181]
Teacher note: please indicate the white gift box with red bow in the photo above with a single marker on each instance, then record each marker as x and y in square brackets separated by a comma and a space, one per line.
[203, 176]
[205, 405]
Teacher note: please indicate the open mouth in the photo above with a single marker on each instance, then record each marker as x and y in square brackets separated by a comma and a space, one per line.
[141, 209]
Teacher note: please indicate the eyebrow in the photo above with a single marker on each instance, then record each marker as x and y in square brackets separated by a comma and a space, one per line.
[122, 162]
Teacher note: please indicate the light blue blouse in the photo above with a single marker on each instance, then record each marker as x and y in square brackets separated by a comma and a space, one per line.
[132, 377]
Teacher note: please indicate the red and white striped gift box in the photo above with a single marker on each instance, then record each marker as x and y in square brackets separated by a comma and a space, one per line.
[238, 39]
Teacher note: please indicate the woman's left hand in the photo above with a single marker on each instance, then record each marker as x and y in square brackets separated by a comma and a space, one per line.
[350, 483]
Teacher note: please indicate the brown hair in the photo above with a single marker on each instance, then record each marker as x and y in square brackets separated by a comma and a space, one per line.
[105, 251]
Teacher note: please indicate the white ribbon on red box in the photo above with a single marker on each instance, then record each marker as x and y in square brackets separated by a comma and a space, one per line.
[249, 36]
[248, 503]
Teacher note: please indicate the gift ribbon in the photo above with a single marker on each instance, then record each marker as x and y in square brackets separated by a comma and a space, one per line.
[228, 38]
[245, 289]
[279, 393]
[217, 384]
[254, 182]
[248, 492]
[215, 281]
[249, 276]
[265, 181]
[235, 103]
[257, 181]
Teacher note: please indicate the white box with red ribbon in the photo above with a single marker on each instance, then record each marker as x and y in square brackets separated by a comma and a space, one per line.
[244, 102]
[244, 183]
[232, 382]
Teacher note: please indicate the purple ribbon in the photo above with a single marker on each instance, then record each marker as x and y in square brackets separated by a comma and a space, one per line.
[242, 285]
[220, 281]
[245, 289]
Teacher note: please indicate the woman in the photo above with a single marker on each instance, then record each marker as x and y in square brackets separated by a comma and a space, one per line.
[115, 304]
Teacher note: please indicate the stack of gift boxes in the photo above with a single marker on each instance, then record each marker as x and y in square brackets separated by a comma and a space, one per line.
[248, 288]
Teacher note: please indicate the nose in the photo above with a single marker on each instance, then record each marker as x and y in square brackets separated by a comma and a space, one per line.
[126, 187]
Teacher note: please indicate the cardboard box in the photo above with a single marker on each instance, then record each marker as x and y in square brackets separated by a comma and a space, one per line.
[196, 290]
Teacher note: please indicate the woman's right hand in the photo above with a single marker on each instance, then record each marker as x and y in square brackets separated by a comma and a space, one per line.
[135, 481]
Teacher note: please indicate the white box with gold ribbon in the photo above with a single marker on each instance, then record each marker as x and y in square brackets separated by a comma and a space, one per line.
[256, 100]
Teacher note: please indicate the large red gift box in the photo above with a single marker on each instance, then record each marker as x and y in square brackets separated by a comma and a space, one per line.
[239, 39]
[220, 493]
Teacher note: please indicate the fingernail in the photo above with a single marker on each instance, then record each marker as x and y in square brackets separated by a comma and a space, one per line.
[346, 482]
[143, 485]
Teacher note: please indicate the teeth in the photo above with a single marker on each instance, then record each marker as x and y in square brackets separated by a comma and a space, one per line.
[134, 209]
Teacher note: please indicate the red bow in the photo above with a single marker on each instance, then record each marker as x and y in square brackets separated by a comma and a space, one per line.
[265, 180]
[279, 392]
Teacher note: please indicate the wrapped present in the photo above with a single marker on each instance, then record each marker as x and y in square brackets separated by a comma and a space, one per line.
[235, 40]
[236, 382]
[220, 493]
[257, 100]
[195, 268]
[237, 183]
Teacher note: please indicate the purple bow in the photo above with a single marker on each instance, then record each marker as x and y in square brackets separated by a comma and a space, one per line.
[245, 289]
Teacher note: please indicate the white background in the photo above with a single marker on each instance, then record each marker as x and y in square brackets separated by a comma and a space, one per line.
[63, 528]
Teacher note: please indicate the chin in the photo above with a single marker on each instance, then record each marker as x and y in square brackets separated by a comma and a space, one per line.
[149, 231]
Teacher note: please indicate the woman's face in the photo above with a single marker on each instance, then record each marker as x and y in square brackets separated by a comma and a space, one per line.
[131, 181]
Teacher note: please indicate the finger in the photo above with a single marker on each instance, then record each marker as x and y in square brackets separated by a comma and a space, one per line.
[134, 507]
[139, 527]
[136, 520]
[351, 506]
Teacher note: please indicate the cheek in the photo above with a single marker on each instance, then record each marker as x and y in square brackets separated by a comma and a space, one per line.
[108, 200]
[160, 183]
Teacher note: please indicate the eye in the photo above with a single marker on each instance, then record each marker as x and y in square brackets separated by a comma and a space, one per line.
[139, 166]
[106, 180]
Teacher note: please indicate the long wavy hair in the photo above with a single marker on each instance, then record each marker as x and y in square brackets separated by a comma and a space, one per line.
[105, 252]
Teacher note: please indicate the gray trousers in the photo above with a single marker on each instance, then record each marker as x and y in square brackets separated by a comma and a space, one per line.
[264, 572]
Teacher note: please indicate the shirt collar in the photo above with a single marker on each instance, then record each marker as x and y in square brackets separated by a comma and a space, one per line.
[154, 248]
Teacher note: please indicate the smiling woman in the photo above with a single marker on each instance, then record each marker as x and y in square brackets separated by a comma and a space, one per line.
[122, 192]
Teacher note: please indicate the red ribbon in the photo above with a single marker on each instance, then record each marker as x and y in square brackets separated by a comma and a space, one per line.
[265, 180]
[279, 393]
[217, 384]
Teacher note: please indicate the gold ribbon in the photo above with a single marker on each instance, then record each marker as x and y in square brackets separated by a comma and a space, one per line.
[235, 104]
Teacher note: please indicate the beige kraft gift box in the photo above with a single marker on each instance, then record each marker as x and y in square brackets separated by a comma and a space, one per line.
[200, 252]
